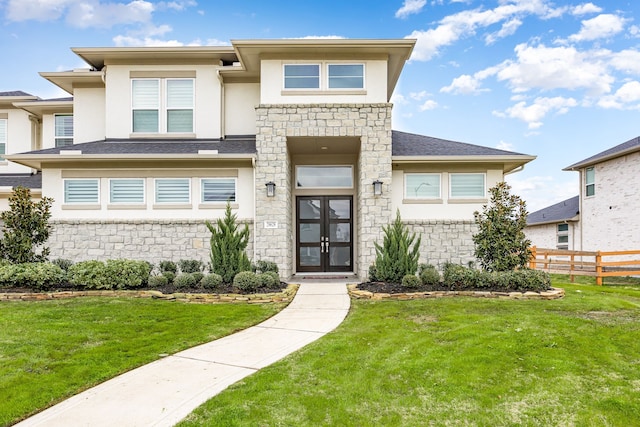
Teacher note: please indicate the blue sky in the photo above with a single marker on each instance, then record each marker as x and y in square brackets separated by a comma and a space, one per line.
[556, 79]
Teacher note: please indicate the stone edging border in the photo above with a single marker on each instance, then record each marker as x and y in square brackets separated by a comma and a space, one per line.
[553, 293]
[285, 296]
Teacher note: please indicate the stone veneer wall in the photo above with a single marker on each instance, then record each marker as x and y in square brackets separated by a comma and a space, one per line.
[445, 240]
[274, 124]
[149, 240]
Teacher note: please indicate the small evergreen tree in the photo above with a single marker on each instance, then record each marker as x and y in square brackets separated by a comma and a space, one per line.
[500, 243]
[398, 256]
[25, 228]
[228, 244]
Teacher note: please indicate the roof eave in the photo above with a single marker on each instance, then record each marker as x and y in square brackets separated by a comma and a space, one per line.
[556, 221]
[513, 162]
[583, 164]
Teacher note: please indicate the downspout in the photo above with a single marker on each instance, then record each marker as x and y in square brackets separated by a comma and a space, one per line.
[36, 136]
[255, 211]
[222, 99]
[518, 169]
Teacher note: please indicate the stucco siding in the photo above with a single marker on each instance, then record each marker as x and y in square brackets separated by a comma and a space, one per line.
[89, 115]
[18, 138]
[240, 101]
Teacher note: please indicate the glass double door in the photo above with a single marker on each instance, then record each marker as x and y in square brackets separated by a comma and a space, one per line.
[324, 240]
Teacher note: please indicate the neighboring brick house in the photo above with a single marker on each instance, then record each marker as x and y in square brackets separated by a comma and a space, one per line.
[296, 134]
[608, 204]
[556, 226]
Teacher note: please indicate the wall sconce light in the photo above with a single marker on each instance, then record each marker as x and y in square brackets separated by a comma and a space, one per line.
[377, 187]
[271, 188]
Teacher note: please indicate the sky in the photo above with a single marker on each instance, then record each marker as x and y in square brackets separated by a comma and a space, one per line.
[556, 79]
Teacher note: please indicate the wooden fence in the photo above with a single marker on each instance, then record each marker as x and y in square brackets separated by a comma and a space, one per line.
[581, 263]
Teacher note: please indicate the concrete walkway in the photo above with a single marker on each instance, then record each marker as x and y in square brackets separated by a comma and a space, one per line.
[167, 390]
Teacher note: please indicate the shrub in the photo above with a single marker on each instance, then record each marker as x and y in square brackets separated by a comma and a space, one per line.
[228, 244]
[399, 253]
[211, 281]
[246, 281]
[373, 274]
[184, 281]
[168, 266]
[263, 266]
[127, 274]
[500, 243]
[170, 275]
[158, 281]
[457, 277]
[190, 265]
[89, 275]
[429, 275]
[25, 228]
[35, 275]
[411, 281]
[269, 279]
[197, 276]
[64, 264]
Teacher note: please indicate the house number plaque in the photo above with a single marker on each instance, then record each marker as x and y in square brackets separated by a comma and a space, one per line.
[271, 224]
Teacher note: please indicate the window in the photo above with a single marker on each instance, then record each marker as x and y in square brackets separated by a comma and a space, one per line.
[324, 177]
[162, 105]
[3, 138]
[346, 76]
[467, 185]
[590, 181]
[126, 191]
[422, 185]
[218, 190]
[173, 190]
[302, 76]
[563, 236]
[81, 191]
[63, 129]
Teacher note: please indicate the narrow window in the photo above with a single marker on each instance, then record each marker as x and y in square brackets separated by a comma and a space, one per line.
[563, 236]
[173, 190]
[146, 105]
[63, 129]
[422, 186]
[346, 76]
[3, 138]
[180, 105]
[130, 190]
[467, 185]
[218, 190]
[302, 76]
[590, 181]
[81, 191]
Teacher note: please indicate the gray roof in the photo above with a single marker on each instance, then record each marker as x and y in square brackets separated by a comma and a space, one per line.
[409, 144]
[21, 180]
[15, 93]
[562, 211]
[229, 145]
[619, 150]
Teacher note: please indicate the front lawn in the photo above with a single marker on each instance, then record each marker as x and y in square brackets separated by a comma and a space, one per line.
[462, 361]
[50, 350]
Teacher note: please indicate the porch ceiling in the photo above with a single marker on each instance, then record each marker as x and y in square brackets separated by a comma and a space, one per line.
[323, 145]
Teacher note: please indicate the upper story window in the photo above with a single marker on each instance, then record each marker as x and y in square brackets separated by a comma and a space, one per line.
[467, 186]
[173, 190]
[162, 105]
[126, 190]
[3, 138]
[422, 186]
[324, 177]
[63, 129]
[81, 191]
[590, 181]
[302, 76]
[345, 76]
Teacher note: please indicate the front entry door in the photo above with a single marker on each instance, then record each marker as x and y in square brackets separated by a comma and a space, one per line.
[324, 239]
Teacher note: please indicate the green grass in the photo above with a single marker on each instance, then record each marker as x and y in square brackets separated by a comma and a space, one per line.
[464, 361]
[50, 350]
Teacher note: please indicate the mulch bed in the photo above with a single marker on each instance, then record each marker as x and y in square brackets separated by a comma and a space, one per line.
[167, 290]
[397, 288]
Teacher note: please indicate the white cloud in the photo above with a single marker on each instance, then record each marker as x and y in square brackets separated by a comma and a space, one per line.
[418, 96]
[626, 60]
[508, 28]
[538, 110]
[464, 85]
[542, 191]
[428, 105]
[628, 96]
[600, 27]
[410, 7]
[502, 145]
[585, 9]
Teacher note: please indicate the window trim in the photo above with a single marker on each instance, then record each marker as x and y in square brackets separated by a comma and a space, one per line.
[144, 192]
[588, 184]
[563, 234]
[218, 178]
[484, 184]
[328, 82]
[88, 203]
[294, 64]
[171, 203]
[416, 197]
[163, 105]
[4, 142]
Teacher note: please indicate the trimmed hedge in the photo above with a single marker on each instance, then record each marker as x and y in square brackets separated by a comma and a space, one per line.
[269, 279]
[36, 275]
[114, 274]
[211, 281]
[460, 278]
[247, 281]
[410, 281]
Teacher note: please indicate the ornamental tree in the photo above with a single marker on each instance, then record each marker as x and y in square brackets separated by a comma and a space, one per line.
[399, 253]
[228, 244]
[500, 243]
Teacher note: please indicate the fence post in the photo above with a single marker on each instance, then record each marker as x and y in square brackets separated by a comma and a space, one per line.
[571, 276]
[598, 269]
[532, 260]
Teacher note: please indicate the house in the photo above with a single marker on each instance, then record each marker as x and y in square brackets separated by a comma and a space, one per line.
[294, 134]
[605, 215]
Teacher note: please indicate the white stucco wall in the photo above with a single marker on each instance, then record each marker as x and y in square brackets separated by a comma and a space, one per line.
[88, 115]
[52, 186]
[18, 138]
[610, 219]
[272, 84]
[445, 207]
[207, 108]
[240, 101]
